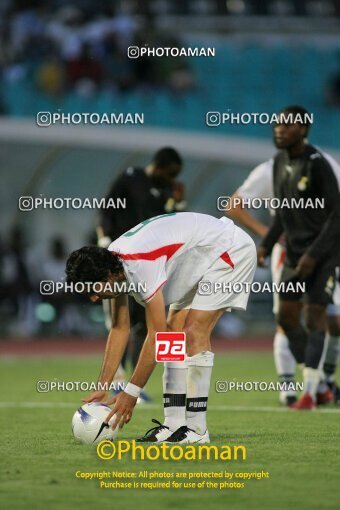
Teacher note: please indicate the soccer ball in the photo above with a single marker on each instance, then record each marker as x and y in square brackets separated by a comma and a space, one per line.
[88, 423]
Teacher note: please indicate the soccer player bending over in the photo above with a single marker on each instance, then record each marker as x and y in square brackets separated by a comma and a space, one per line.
[170, 254]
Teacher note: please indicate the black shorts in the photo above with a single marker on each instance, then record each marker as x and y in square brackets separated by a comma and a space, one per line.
[319, 287]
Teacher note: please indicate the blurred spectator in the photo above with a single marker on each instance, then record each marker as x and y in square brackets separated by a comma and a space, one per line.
[66, 30]
[14, 271]
[333, 87]
[27, 22]
[83, 67]
[68, 316]
[336, 7]
[53, 270]
[60, 46]
[119, 69]
[53, 267]
[334, 91]
[16, 290]
[50, 77]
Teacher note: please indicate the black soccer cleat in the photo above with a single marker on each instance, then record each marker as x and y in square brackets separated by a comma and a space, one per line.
[156, 434]
[185, 435]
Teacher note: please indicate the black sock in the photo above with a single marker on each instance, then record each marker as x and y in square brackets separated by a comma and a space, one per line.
[315, 345]
[297, 343]
[329, 370]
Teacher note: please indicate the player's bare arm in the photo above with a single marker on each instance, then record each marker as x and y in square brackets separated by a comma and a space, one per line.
[156, 321]
[239, 213]
[265, 249]
[115, 345]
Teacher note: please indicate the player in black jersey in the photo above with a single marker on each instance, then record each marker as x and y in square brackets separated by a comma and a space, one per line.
[149, 192]
[313, 243]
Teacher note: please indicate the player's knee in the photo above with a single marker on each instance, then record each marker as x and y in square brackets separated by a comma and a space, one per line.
[315, 319]
[287, 321]
[193, 333]
[333, 325]
[311, 323]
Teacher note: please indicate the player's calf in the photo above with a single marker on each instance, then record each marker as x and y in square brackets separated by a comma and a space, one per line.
[285, 367]
[315, 321]
[200, 360]
[186, 384]
[289, 320]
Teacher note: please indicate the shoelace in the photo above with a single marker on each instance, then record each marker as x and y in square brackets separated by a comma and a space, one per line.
[154, 429]
[180, 433]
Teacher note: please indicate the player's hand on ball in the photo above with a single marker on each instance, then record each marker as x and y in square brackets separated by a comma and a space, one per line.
[306, 266]
[261, 256]
[123, 408]
[95, 396]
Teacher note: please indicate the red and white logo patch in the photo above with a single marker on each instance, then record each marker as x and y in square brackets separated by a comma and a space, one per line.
[170, 346]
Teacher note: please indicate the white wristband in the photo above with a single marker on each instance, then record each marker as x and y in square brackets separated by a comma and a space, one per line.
[133, 390]
[104, 242]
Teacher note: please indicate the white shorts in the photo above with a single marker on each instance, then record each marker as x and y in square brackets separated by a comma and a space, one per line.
[277, 260]
[215, 290]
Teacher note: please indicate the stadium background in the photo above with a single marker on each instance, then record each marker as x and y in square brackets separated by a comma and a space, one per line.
[70, 55]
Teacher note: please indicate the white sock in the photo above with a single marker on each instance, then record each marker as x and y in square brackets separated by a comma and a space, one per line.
[322, 387]
[284, 360]
[174, 394]
[198, 384]
[331, 357]
[311, 379]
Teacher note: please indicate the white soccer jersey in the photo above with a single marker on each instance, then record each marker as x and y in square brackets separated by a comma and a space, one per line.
[259, 183]
[172, 251]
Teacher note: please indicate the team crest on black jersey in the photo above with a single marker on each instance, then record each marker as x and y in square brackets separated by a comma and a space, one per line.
[155, 192]
[302, 184]
[329, 288]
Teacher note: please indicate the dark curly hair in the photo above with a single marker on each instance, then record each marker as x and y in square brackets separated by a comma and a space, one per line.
[91, 264]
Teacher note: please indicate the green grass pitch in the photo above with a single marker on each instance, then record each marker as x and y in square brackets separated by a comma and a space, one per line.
[39, 457]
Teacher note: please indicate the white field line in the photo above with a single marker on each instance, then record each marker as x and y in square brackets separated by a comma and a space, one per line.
[74, 405]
